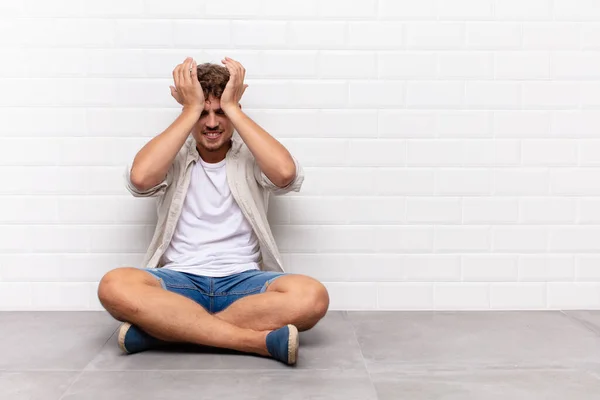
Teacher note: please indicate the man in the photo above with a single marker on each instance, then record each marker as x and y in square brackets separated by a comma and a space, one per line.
[213, 274]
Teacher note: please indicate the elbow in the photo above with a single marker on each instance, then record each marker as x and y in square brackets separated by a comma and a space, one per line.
[139, 180]
[286, 177]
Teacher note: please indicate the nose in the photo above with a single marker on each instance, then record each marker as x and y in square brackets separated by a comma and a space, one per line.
[211, 121]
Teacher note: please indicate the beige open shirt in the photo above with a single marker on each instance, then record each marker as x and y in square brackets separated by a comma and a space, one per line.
[249, 186]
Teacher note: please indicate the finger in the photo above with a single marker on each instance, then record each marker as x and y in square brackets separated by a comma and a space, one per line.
[176, 76]
[187, 71]
[182, 71]
[194, 71]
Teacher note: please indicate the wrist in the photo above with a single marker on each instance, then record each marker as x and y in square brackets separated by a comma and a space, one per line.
[231, 108]
[194, 110]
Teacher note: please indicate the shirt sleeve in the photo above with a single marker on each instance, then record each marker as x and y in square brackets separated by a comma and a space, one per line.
[157, 190]
[293, 186]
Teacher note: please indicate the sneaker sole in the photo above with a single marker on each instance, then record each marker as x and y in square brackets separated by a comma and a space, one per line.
[293, 345]
[122, 332]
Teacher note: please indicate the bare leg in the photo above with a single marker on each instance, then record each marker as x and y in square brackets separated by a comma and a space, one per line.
[134, 296]
[292, 299]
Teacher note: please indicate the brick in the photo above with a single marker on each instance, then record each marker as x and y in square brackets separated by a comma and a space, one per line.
[407, 9]
[542, 268]
[541, 211]
[463, 181]
[376, 94]
[435, 94]
[175, 8]
[416, 65]
[375, 210]
[549, 152]
[462, 239]
[575, 65]
[522, 65]
[352, 296]
[574, 239]
[286, 63]
[461, 296]
[572, 181]
[434, 35]
[515, 296]
[523, 10]
[489, 94]
[424, 210]
[317, 34]
[586, 268]
[573, 124]
[552, 95]
[551, 36]
[234, 8]
[342, 64]
[577, 9]
[521, 181]
[202, 33]
[263, 34]
[589, 211]
[406, 181]
[405, 296]
[319, 152]
[458, 65]
[465, 9]
[489, 210]
[140, 33]
[521, 124]
[463, 124]
[375, 35]
[519, 239]
[489, 268]
[409, 239]
[380, 152]
[348, 8]
[573, 295]
[290, 8]
[493, 35]
[416, 124]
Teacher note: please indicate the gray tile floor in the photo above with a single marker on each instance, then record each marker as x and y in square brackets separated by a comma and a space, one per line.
[349, 355]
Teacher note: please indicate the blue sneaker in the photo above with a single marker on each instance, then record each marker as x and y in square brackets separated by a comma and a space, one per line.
[283, 344]
[133, 340]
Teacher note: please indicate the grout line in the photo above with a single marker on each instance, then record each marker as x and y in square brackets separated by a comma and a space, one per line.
[362, 356]
[89, 362]
[580, 322]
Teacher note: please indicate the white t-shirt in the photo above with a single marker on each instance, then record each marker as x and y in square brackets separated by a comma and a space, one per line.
[212, 236]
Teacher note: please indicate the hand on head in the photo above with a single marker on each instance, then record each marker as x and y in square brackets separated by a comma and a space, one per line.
[187, 90]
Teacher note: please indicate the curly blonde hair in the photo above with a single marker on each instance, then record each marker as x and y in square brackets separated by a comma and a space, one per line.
[213, 79]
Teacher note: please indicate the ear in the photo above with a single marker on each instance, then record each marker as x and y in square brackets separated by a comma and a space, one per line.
[240, 106]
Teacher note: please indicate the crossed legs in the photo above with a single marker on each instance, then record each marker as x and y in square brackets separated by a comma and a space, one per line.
[134, 296]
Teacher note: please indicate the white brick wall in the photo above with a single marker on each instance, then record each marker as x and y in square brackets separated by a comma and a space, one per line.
[451, 147]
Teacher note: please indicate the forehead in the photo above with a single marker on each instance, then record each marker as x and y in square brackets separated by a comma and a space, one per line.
[212, 103]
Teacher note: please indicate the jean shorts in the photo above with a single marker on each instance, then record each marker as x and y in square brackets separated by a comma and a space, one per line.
[215, 293]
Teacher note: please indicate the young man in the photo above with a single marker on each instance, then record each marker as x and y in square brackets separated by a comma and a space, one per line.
[213, 274]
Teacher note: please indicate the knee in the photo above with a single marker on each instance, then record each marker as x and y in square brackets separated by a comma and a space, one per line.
[316, 304]
[112, 292]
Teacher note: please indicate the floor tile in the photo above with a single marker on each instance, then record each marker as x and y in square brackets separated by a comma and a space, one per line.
[488, 385]
[52, 340]
[247, 385]
[42, 385]
[331, 344]
[454, 340]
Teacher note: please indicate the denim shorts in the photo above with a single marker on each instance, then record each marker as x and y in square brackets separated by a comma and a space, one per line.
[215, 293]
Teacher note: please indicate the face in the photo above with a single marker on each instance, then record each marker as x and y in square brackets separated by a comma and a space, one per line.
[213, 130]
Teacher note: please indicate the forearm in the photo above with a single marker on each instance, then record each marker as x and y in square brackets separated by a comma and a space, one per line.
[271, 156]
[152, 162]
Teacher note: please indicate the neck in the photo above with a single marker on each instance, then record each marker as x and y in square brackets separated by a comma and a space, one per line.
[214, 156]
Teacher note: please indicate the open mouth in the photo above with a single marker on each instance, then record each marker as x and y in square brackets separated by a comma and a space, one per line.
[212, 135]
